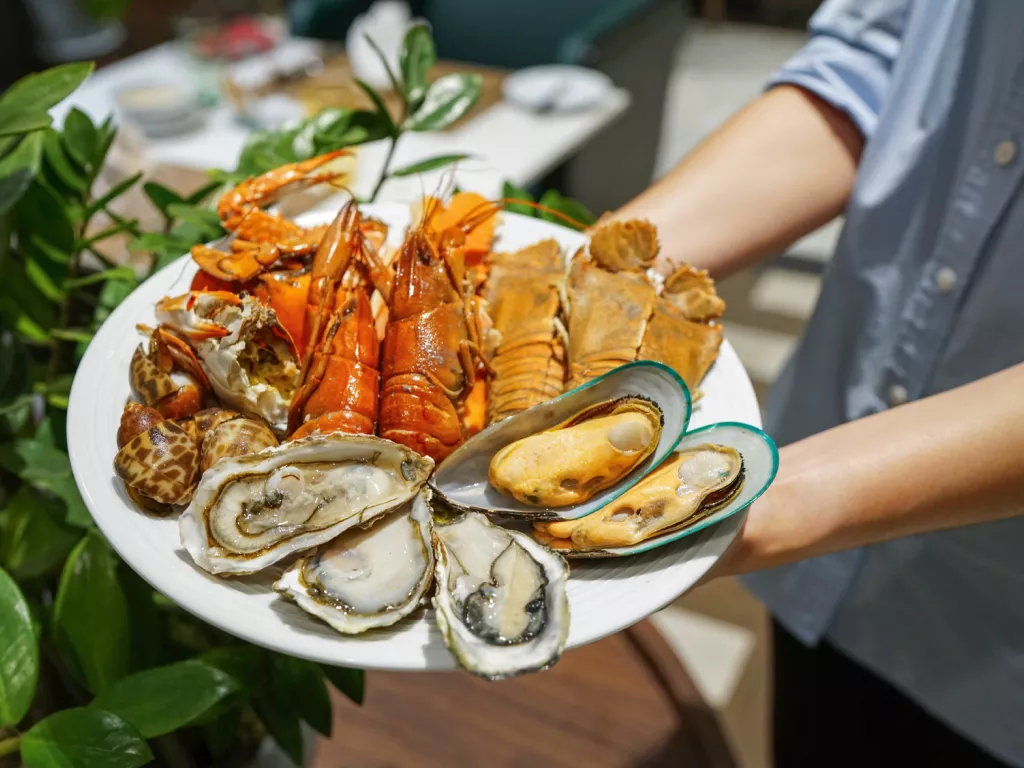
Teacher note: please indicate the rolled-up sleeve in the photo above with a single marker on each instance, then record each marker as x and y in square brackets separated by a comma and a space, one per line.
[849, 59]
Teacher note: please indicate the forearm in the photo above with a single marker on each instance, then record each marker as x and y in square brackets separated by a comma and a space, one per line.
[777, 170]
[949, 460]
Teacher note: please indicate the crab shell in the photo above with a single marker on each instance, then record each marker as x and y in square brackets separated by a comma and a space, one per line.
[248, 356]
[583, 455]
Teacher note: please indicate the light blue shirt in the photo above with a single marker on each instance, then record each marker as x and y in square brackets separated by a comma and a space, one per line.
[925, 293]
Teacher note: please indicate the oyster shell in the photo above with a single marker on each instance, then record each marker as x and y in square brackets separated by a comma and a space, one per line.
[588, 452]
[501, 603]
[252, 511]
[462, 480]
[689, 485]
[367, 577]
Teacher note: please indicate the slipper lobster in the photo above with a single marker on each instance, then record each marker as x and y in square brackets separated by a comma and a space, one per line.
[618, 315]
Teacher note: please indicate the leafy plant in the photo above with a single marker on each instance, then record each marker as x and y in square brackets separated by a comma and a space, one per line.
[552, 206]
[425, 106]
[96, 668]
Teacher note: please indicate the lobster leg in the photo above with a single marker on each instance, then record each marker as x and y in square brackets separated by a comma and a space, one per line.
[240, 265]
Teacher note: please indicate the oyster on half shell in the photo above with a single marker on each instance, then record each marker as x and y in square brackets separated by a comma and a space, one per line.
[367, 577]
[252, 511]
[501, 602]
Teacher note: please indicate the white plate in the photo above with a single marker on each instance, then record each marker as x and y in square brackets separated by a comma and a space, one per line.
[557, 88]
[605, 596]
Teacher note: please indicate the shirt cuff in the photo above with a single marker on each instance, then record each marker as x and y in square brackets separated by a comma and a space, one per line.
[852, 80]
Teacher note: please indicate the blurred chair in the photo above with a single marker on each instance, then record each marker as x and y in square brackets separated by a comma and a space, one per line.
[633, 41]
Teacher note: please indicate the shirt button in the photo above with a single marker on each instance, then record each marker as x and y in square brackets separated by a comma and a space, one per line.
[898, 395]
[945, 279]
[1006, 151]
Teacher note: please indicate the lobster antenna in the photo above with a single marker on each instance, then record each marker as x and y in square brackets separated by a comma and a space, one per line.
[482, 212]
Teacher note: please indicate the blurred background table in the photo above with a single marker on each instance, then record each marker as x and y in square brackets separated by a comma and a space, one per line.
[506, 142]
[622, 701]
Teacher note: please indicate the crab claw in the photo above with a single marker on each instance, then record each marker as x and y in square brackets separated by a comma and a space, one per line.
[239, 265]
[265, 189]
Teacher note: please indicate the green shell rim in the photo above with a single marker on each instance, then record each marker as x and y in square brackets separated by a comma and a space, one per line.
[712, 519]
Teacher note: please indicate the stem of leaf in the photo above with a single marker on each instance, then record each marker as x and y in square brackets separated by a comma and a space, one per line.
[10, 746]
[385, 171]
[56, 352]
[108, 263]
[171, 752]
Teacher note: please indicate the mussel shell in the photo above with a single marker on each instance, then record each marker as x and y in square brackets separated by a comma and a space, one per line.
[462, 479]
[363, 559]
[408, 470]
[760, 466]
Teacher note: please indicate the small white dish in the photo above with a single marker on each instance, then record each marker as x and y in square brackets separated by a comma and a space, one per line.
[557, 88]
[160, 108]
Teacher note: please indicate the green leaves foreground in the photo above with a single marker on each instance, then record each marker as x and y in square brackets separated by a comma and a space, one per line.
[84, 736]
[19, 654]
[112, 730]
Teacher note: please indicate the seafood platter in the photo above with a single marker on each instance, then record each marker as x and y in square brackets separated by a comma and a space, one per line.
[417, 436]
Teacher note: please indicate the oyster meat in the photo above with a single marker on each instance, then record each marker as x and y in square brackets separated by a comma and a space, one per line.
[252, 511]
[501, 602]
[687, 487]
[367, 577]
[583, 455]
